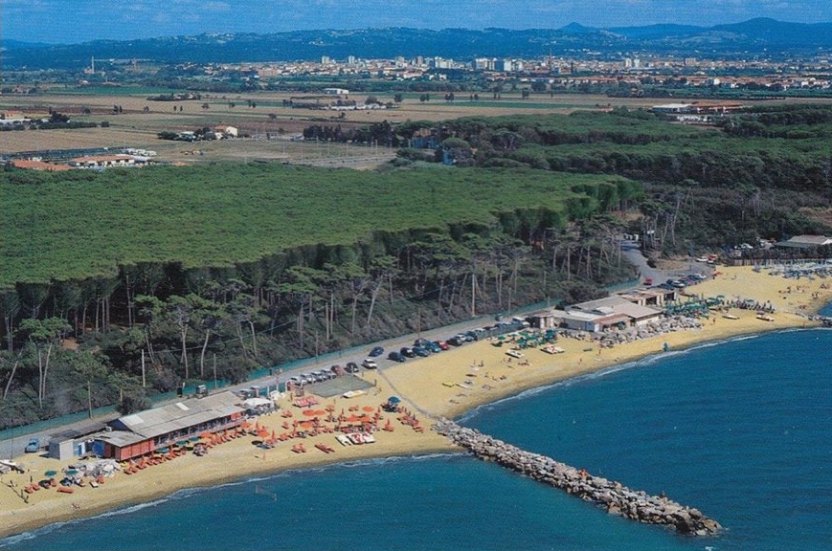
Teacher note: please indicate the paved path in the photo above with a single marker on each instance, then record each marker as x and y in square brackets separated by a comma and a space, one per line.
[11, 447]
[631, 251]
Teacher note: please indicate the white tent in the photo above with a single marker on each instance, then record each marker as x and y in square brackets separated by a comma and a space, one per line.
[254, 403]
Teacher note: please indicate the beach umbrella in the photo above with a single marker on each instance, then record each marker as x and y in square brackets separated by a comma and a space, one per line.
[50, 473]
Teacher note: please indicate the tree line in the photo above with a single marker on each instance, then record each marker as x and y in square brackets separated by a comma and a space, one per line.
[74, 345]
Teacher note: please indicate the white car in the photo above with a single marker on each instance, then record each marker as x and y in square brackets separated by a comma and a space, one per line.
[369, 363]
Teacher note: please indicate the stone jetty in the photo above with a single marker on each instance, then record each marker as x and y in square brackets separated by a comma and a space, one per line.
[612, 496]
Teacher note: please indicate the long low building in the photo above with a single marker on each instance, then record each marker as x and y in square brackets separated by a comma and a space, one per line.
[615, 311]
[145, 432]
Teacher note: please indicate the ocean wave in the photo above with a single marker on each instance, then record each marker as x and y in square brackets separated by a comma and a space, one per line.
[185, 493]
[33, 534]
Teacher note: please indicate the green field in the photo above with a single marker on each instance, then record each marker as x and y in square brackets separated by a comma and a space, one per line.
[62, 227]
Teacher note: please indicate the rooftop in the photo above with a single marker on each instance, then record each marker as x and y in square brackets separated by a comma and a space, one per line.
[181, 415]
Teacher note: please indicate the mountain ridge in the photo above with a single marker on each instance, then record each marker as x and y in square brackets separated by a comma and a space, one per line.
[753, 35]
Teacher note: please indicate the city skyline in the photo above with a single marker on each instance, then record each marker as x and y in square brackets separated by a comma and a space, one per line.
[50, 21]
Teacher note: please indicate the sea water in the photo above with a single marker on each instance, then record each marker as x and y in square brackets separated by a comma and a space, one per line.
[740, 430]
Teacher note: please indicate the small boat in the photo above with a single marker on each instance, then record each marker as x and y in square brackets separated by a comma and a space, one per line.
[730, 317]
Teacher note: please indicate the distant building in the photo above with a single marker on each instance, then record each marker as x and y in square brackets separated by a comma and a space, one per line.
[226, 132]
[806, 242]
[39, 165]
[98, 162]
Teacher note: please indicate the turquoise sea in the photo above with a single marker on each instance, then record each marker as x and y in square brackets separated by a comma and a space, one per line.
[741, 429]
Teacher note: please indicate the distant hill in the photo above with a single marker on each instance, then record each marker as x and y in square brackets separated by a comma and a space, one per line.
[657, 31]
[17, 44]
[779, 33]
[750, 36]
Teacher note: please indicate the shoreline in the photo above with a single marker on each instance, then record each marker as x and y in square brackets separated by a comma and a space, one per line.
[442, 385]
[101, 509]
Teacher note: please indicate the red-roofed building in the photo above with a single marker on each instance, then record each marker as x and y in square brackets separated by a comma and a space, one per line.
[39, 165]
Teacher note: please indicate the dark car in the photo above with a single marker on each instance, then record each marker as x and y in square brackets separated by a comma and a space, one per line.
[376, 352]
[352, 367]
[423, 343]
[396, 357]
[434, 347]
[421, 352]
[456, 340]
[407, 352]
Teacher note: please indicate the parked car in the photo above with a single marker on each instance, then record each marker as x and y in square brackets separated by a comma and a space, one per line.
[407, 352]
[335, 369]
[369, 363]
[396, 357]
[352, 367]
[434, 347]
[456, 340]
[421, 352]
[376, 352]
[421, 343]
[32, 446]
[443, 345]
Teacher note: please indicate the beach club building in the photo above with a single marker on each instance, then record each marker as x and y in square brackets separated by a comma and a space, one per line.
[615, 311]
[145, 432]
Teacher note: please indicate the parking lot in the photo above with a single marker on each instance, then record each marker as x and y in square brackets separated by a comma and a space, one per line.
[338, 386]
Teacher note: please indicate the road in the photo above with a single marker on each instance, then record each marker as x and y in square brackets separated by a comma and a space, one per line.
[10, 447]
[14, 445]
[631, 251]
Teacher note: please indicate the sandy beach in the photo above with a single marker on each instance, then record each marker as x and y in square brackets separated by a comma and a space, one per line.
[446, 384]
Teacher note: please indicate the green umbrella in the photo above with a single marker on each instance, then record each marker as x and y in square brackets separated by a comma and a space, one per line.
[50, 473]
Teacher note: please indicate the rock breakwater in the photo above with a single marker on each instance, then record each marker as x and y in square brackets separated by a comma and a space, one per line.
[610, 495]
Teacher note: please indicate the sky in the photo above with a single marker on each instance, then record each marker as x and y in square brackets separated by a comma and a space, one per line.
[73, 21]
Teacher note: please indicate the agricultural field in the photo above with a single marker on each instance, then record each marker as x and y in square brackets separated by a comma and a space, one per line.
[137, 127]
